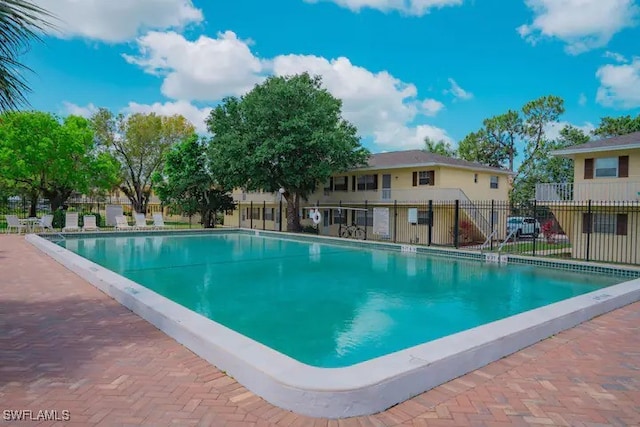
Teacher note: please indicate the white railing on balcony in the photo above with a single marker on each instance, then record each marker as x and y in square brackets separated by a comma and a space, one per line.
[599, 191]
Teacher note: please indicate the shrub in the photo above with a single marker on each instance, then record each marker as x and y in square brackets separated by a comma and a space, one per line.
[548, 230]
[309, 229]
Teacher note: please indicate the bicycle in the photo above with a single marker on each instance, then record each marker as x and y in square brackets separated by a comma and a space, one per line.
[352, 232]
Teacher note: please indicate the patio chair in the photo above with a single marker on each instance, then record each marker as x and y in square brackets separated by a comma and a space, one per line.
[89, 223]
[14, 222]
[71, 222]
[46, 222]
[141, 222]
[158, 221]
[121, 223]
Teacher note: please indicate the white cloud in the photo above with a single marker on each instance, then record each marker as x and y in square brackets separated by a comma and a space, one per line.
[615, 56]
[431, 107]
[582, 24]
[207, 69]
[195, 115]
[619, 85]
[405, 138]
[552, 130]
[69, 108]
[457, 91]
[582, 99]
[407, 7]
[118, 20]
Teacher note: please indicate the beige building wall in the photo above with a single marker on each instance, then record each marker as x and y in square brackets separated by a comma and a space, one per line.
[602, 247]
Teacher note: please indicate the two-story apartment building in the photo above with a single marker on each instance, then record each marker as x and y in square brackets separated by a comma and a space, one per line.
[402, 180]
[605, 224]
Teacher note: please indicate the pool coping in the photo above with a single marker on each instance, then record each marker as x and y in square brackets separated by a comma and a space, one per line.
[365, 388]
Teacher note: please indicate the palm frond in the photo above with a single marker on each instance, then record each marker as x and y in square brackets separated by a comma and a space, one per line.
[21, 22]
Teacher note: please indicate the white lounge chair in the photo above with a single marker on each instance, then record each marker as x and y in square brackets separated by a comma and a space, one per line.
[46, 222]
[14, 222]
[121, 223]
[158, 221]
[89, 223]
[141, 222]
[71, 222]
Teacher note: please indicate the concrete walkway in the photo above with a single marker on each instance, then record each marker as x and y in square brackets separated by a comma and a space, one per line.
[66, 346]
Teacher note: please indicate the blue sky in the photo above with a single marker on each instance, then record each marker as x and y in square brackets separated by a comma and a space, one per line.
[405, 69]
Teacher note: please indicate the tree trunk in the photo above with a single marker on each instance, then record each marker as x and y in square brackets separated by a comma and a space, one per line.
[57, 197]
[293, 206]
[33, 206]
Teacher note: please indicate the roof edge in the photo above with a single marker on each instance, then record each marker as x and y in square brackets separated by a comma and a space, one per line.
[577, 150]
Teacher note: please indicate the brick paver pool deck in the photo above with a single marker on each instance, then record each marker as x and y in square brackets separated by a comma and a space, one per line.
[66, 346]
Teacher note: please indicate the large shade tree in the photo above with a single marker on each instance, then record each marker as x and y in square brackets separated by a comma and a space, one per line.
[40, 155]
[139, 142]
[20, 23]
[287, 132]
[186, 182]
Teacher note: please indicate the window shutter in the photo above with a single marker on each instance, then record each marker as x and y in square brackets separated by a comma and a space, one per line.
[432, 177]
[621, 225]
[588, 168]
[623, 167]
[331, 184]
[375, 181]
[353, 183]
[586, 223]
[415, 179]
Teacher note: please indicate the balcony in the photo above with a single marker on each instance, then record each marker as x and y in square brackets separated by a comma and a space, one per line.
[598, 191]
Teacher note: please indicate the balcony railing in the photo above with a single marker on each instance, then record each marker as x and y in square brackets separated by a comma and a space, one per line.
[601, 191]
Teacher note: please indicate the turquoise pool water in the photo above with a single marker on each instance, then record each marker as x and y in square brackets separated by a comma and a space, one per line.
[329, 305]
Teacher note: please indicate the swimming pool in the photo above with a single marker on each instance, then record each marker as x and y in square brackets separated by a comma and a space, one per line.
[335, 328]
[330, 305]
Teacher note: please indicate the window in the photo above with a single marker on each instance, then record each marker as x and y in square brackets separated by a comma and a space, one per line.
[475, 178]
[606, 167]
[340, 183]
[268, 214]
[423, 217]
[367, 182]
[361, 216]
[340, 217]
[494, 181]
[255, 213]
[605, 224]
[424, 178]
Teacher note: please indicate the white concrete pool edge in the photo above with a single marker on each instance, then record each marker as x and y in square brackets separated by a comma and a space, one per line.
[362, 389]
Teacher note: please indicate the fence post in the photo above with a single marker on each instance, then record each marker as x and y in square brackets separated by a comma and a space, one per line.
[395, 220]
[264, 211]
[340, 220]
[456, 225]
[589, 229]
[280, 216]
[251, 215]
[493, 225]
[535, 217]
[366, 218]
[430, 229]
[239, 214]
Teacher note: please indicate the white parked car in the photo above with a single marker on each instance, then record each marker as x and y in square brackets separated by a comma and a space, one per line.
[523, 226]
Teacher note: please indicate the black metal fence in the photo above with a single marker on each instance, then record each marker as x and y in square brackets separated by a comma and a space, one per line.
[600, 231]
[21, 207]
[604, 231]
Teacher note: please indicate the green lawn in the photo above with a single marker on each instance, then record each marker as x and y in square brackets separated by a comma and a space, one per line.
[523, 247]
